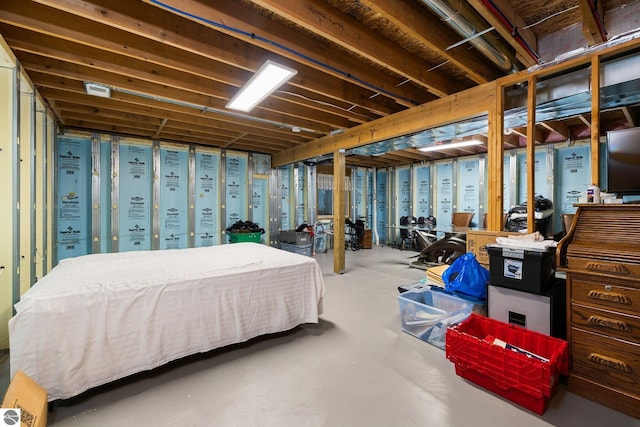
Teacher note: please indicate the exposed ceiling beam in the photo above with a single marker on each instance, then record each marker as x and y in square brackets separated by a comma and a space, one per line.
[64, 92]
[186, 49]
[501, 15]
[557, 127]
[470, 103]
[522, 132]
[142, 87]
[420, 26]
[629, 116]
[511, 141]
[330, 23]
[260, 31]
[592, 21]
[585, 120]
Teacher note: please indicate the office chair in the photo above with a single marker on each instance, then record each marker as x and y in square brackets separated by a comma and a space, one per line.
[352, 235]
[484, 221]
[407, 236]
[461, 219]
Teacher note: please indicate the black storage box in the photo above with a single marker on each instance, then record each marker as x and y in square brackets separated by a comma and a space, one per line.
[528, 270]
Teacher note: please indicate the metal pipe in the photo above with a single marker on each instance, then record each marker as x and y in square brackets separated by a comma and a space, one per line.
[466, 29]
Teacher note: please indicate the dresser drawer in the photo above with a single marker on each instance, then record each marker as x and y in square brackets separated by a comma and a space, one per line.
[589, 264]
[606, 322]
[608, 361]
[613, 293]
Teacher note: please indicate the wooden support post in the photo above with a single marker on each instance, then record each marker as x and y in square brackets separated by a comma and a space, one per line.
[531, 153]
[595, 120]
[495, 152]
[338, 211]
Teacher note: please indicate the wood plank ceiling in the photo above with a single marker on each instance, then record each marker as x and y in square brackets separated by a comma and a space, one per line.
[172, 65]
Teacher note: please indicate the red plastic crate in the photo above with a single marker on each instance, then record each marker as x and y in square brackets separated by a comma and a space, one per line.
[522, 379]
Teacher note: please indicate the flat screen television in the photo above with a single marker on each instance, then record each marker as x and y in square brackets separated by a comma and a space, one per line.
[623, 161]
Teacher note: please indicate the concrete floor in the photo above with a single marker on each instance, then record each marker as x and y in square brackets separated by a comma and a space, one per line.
[355, 368]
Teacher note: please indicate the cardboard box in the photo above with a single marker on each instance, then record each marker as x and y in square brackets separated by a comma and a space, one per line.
[477, 242]
[30, 398]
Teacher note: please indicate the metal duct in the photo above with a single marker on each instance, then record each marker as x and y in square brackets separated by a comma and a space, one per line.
[466, 29]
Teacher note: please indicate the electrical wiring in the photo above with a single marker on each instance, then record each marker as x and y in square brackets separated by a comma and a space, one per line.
[549, 17]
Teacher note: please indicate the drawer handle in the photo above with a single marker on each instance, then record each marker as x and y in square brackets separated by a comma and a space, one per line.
[610, 296]
[610, 362]
[610, 323]
[607, 268]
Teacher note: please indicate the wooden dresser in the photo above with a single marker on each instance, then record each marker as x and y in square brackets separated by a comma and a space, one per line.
[601, 257]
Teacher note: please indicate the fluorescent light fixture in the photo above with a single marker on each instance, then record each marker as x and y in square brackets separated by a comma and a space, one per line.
[97, 89]
[263, 83]
[450, 145]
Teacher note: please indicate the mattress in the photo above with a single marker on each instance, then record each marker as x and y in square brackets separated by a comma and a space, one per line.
[97, 318]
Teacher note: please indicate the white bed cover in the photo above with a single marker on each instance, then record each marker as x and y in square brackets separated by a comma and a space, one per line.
[97, 318]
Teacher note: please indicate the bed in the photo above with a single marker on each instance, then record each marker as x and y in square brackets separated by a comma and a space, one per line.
[97, 318]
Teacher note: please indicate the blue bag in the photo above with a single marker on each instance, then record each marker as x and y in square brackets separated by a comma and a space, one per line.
[466, 276]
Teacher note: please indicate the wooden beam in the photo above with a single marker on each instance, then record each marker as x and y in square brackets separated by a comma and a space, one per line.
[570, 64]
[338, 211]
[168, 91]
[512, 140]
[262, 32]
[595, 120]
[177, 48]
[469, 103]
[330, 23]
[66, 94]
[495, 164]
[502, 16]
[112, 62]
[429, 30]
[592, 21]
[584, 120]
[538, 135]
[531, 160]
[558, 127]
[629, 116]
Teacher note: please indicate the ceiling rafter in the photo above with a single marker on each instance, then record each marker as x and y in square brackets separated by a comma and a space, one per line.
[557, 127]
[189, 51]
[299, 48]
[60, 90]
[629, 116]
[329, 23]
[592, 21]
[140, 86]
[409, 18]
[502, 16]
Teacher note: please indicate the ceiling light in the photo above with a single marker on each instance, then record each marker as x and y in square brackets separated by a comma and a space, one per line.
[97, 89]
[460, 144]
[263, 83]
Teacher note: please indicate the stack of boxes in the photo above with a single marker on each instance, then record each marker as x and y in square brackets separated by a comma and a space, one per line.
[515, 352]
[524, 291]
